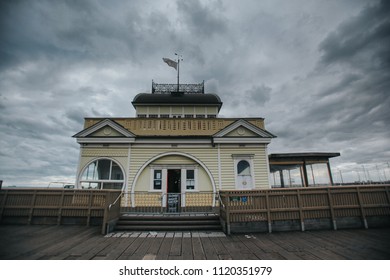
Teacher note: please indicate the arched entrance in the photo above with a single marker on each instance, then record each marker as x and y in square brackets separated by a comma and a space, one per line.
[178, 177]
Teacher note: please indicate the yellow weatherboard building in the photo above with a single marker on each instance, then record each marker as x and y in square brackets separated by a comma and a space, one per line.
[176, 148]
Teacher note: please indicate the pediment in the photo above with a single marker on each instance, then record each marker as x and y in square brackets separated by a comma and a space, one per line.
[105, 129]
[243, 129]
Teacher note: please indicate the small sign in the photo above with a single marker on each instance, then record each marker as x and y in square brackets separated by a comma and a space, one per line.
[173, 202]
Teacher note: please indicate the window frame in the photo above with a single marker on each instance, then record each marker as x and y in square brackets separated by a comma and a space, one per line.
[100, 182]
[248, 158]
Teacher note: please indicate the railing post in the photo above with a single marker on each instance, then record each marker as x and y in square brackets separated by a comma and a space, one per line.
[59, 218]
[330, 199]
[268, 211]
[361, 208]
[387, 193]
[105, 214]
[227, 210]
[300, 210]
[90, 198]
[32, 207]
[3, 204]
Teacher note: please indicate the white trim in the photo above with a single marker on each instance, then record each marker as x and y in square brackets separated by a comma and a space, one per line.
[219, 168]
[267, 163]
[242, 140]
[79, 176]
[151, 184]
[183, 187]
[257, 130]
[169, 146]
[249, 159]
[156, 157]
[172, 141]
[107, 122]
[127, 174]
[105, 140]
[78, 168]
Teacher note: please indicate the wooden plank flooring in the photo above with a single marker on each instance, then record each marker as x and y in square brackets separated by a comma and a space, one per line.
[84, 243]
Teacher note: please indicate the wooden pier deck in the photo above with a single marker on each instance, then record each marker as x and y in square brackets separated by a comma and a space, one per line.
[86, 243]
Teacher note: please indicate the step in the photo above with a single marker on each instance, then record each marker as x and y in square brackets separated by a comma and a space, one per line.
[170, 222]
[167, 228]
[168, 217]
[129, 222]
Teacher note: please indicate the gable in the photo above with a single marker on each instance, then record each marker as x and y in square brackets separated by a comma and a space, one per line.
[241, 131]
[106, 131]
[243, 128]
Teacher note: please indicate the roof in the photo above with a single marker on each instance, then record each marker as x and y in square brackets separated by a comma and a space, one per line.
[145, 130]
[177, 99]
[289, 161]
[303, 156]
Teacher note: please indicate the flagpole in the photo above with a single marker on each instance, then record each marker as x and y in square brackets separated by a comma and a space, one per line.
[178, 70]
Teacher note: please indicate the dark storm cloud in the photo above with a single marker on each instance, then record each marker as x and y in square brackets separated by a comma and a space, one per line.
[367, 36]
[258, 94]
[202, 20]
[317, 71]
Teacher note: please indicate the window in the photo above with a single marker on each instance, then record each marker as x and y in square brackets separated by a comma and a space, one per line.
[157, 179]
[164, 116]
[153, 116]
[243, 168]
[244, 179]
[200, 116]
[189, 116]
[102, 174]
[142, 115]
[190, 182]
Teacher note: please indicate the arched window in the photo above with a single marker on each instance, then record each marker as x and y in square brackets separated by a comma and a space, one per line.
[102, 174]
[243, 168]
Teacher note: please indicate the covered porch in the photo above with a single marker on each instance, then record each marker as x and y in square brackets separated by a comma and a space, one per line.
[301, 169]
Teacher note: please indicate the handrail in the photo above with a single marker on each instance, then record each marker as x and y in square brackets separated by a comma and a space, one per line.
[156, 202]
[115, 201]
[220, 200]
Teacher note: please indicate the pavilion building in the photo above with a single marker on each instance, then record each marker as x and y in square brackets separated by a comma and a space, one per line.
[176, 144]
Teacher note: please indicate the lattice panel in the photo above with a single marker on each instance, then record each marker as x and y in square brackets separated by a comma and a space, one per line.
[147, 199]
[199, 199]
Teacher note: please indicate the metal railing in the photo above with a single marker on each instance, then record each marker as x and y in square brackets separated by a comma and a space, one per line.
[157, 202]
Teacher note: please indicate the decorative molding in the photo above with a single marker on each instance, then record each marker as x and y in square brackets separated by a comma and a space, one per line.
[243, 123]
[106, 122]
[242, 140]
[104, 140]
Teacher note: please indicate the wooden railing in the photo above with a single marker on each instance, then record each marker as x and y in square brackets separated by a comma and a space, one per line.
[301, 205]
[59, 206]
[174, 126]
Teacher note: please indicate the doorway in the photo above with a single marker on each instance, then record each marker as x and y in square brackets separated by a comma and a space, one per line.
[173, 190]
[174, 181]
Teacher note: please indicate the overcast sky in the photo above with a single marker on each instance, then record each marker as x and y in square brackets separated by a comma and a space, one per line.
[317, 71]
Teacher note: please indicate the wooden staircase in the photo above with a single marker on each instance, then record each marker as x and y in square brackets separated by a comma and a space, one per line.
[197, 222]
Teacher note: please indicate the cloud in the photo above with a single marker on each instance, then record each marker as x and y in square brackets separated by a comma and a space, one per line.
[318, 72]
[200, 20]
[258, 94]
[364, 38]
